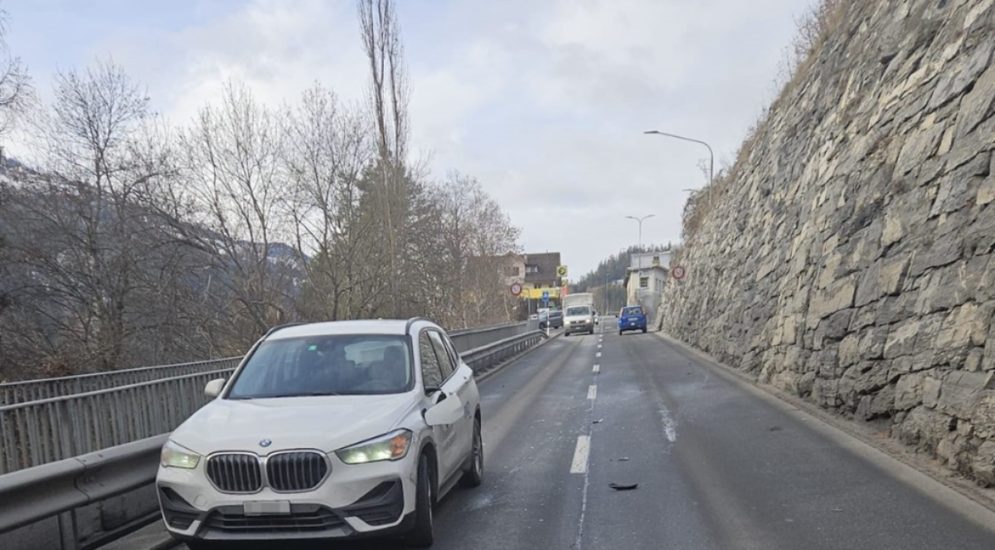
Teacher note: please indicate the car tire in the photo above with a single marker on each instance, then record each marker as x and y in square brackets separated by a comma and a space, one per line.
[475, 475]
[565, 334]
[644, 330]
[620, 332]
[420, 535]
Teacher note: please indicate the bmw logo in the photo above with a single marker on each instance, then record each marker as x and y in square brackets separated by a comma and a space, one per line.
[265, 443]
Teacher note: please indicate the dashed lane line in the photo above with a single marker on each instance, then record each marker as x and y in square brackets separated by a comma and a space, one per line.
[596, 369]
[581, 452]
[592, 391]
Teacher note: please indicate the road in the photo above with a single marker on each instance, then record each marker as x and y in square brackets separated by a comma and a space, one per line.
[717, 465]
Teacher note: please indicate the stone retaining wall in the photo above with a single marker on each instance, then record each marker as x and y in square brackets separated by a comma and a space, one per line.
[848, 255]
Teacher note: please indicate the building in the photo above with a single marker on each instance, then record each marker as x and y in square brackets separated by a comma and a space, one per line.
[513, 269]
[535, 272]
[644, 280]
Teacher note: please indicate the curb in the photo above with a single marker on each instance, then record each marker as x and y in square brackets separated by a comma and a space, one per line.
[882, 443]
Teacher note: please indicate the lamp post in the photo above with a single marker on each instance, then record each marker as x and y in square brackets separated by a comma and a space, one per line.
[640, 221]
[711, 155]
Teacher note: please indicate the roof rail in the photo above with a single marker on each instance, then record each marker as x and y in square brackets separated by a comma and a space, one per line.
[411, 321]
[275, 328]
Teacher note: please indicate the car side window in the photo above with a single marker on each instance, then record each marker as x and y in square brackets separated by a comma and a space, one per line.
[431, 371]
[445, 360]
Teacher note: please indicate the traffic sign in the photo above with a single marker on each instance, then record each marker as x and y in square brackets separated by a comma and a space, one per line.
[516, 289]
[545, 296]
[561, 271]
[678, 272]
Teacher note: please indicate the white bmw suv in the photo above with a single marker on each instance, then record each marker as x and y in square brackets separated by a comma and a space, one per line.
[326, 430]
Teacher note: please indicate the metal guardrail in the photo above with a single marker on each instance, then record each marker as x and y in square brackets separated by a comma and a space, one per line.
[468, 339]
[46, 388]
[484, 357]
[34, 494]
[53, 429]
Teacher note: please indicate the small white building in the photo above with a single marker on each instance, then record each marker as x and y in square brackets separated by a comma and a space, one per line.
[644, 281]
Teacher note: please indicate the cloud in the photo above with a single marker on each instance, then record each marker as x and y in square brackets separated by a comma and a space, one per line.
[544, 102]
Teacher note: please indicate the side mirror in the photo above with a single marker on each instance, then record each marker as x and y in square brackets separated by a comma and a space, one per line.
[444, 412]
[214, 387]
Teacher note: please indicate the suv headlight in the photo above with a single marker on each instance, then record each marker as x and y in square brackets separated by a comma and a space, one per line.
[391, 446]
[177, 456]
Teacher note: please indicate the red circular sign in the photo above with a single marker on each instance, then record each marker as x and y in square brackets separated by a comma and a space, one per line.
[678, 272]
[516, 289]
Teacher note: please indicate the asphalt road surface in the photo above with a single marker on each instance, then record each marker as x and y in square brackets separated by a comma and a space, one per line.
[717, 465]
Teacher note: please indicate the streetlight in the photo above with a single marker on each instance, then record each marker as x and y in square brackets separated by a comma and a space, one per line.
[640, 220]
[711, 155]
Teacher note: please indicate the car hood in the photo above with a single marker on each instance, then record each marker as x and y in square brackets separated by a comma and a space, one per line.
[326, 423]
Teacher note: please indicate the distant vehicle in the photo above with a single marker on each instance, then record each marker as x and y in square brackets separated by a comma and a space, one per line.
[326, 431]
[553, 318]
[631, 318]
[578, 313]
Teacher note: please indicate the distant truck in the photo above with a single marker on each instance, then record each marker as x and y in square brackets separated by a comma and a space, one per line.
[578, 313]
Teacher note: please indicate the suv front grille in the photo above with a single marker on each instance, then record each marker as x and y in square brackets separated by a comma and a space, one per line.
[296, 471]
[235, 473]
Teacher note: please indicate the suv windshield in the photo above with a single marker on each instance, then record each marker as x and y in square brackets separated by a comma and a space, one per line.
[355, 364]
[578, 310]
[632, 311]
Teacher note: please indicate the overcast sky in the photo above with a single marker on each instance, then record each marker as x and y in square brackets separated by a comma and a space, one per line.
[544, 101]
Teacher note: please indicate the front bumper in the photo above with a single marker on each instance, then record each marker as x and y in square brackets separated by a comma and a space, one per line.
[353, 501]
[579, 326]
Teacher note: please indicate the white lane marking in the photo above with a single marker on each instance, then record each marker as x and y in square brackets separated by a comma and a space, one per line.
[596, 369]
[599, 346]
[597, 354]
[669, 426]
[579, 464]
[592, 391]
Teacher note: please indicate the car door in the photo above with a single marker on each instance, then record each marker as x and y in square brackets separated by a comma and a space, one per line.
[456, 384]
[466, 389]
[436, 375]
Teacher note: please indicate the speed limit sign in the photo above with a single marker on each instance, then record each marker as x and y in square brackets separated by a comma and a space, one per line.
[516, 289]
[678, 272]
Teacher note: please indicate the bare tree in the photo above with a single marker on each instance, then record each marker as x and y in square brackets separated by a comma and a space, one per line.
[233, 179]
[388, 96]
[475, 237]
[327, 150]
[88, 271]
[15, 85]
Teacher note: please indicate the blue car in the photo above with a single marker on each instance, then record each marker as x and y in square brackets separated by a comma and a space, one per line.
[631, 318]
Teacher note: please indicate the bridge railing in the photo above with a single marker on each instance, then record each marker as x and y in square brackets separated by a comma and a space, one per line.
[46, 388]
[62, 427]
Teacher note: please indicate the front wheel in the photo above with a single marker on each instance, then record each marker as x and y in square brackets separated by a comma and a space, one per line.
[620, 333]
[475, 475]
[421, 534]
[644, 330]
